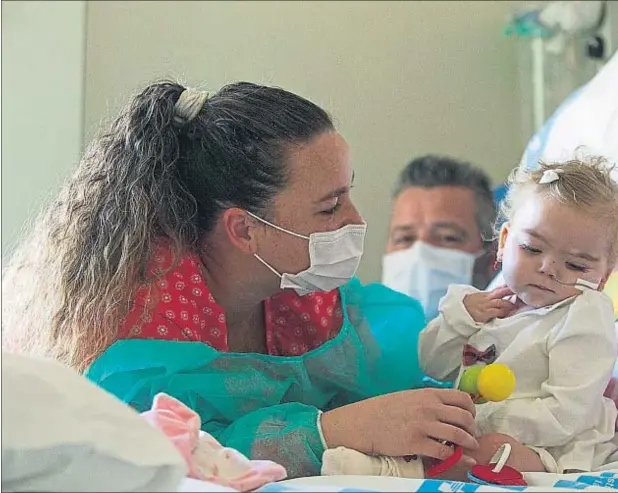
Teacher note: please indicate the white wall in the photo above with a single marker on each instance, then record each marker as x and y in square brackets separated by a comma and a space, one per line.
[43, 47]
[610, 27]
[401, 78]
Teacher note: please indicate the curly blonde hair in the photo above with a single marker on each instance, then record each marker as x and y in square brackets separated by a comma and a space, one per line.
[151, 176]
[585, 184]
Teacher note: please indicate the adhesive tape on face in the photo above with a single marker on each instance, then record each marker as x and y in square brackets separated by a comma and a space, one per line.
[587, 284]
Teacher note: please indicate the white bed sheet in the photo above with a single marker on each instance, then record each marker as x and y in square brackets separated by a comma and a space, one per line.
[538, 482]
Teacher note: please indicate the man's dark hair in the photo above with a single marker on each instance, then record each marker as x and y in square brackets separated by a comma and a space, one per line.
[440, 171]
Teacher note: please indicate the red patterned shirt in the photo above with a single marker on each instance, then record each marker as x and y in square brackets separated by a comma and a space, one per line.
[179, 307]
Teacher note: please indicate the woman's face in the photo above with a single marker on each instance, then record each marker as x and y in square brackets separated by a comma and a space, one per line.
[316, 199]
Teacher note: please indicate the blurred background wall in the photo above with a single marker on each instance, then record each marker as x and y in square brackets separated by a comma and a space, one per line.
[400, 78]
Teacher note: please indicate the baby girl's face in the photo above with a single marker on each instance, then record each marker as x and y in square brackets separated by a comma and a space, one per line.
[547, 242]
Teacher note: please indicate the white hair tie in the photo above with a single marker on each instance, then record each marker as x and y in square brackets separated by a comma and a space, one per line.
[189, 105]
[550, 176]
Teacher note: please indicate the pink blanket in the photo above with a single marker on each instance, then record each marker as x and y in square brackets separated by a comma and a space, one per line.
[207, 459]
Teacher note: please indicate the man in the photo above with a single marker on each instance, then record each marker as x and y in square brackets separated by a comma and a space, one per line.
[441, 230]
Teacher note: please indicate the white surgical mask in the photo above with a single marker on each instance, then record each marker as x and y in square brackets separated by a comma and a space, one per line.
[334, 258]
[424, 272]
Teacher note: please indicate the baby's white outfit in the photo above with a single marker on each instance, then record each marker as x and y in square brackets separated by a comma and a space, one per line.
[562, 357]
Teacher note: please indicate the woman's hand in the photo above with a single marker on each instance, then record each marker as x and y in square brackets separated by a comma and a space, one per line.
[484, 307]
[412, 422]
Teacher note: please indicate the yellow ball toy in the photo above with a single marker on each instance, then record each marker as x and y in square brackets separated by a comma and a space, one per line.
[496, 382]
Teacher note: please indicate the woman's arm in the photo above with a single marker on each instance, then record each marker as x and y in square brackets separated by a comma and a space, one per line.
[412, 422]
[286, 433]
[268, 407]
[137, 370]
[402, 423]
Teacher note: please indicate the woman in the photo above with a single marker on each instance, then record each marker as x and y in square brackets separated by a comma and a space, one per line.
[203, 248]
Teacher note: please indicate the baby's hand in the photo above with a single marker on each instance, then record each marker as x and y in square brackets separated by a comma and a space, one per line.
[484, 307]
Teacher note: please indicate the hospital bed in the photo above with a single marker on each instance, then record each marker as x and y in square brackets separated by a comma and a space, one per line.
[597, 482]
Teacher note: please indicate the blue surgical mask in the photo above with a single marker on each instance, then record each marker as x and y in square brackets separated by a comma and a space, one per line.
[425, 272]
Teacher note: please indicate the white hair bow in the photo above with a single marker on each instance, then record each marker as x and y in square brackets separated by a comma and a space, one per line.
[550, 176]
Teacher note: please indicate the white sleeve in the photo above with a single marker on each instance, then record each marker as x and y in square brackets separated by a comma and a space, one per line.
[582, 354]
[441, 343]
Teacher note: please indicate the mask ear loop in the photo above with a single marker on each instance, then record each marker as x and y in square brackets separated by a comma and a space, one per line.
[279, 228]
[266, 264]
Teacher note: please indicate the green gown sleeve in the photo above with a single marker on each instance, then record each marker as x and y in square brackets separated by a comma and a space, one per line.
[267, 406]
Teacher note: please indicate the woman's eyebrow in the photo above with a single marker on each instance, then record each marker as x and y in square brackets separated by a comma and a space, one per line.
[334, 194]
[337, 192]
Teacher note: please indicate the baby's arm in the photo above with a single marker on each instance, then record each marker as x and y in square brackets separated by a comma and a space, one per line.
[441, 343]
[582, 354]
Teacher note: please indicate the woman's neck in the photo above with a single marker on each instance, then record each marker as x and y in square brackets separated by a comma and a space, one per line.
[248, 335]
[231, 279]
[241, 301]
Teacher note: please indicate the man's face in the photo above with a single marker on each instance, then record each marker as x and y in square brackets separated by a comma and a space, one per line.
[440, 216]
[443, 217]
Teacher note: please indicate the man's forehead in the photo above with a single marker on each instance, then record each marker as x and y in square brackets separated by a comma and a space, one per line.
[436, 204]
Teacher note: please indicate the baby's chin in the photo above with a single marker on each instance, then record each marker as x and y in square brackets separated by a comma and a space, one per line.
[538, 299]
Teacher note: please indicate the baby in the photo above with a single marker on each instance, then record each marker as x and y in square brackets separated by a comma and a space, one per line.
[551, 324]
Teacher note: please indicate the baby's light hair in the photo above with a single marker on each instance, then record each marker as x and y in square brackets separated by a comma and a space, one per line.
[584, 184]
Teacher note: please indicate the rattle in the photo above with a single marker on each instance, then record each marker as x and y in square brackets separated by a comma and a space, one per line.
[494, 382]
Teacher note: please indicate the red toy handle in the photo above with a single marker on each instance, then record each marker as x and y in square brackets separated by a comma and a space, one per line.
[446, 464]
[497, 472]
